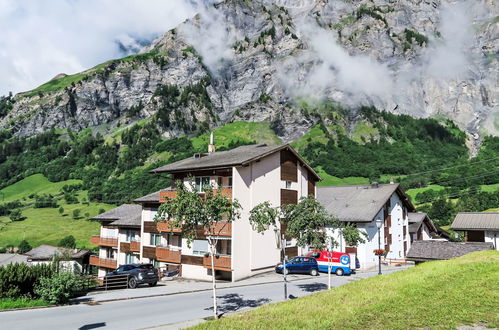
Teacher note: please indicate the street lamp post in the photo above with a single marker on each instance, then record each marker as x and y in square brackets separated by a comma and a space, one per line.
[379, 223]
[281, 240]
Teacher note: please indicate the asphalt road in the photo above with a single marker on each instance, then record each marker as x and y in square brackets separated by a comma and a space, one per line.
[155, 311]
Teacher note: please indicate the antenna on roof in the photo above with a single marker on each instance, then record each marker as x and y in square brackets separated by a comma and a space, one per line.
[211, 146]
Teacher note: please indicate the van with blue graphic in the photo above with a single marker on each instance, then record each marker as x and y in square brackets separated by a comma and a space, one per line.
[338, 261]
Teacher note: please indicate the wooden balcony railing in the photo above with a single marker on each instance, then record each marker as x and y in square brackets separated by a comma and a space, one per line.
[167, 255]
[165, 194]
[104, 241]
[135, 246]
[103, 262]
[167, 226]
[149, 252]
[219, 229]
[129, 247]
[220, 262]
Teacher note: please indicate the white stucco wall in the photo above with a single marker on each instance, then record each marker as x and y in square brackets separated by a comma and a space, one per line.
[365, 250]
[492, 237]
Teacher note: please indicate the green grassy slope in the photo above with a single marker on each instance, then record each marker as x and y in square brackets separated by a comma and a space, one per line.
[440, 294]
[47, 225]
[34, 184]
[239, 131]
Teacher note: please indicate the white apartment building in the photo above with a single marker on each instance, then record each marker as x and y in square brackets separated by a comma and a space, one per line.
[361, 206]
[251, 174]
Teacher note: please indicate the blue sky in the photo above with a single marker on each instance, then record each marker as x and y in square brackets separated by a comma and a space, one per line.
[40, 39]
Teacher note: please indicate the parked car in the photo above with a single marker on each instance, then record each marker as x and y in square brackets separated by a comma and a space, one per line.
[138, 274]
[340, 262]
[300, 265]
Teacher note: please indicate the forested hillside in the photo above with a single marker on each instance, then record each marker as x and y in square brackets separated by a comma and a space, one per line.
[428, 156]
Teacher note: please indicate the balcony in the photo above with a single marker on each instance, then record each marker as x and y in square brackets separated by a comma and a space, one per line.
[103, 262]
[219, 229]
[165, 194]
[104, 241]
[167, 254]
[149, 252]
[130, 247]
[220, 262]
[167, 226]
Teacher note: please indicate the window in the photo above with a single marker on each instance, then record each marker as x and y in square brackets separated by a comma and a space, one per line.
[129, 258]
[220, 182]
[202, 182]
[154, 262]
[110, 254]
[155, 240]
[200, 246]
[288, 184]
[230, 182]
[130, 235]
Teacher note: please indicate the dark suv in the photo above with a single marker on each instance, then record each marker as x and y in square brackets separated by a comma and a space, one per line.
[303, 265]
[138, 274]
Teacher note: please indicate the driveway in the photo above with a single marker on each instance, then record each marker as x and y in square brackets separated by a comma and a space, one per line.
[169, 310]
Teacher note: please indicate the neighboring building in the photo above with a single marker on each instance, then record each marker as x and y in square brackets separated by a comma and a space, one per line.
[422, 251]
[478, 227]
[251, 174]
[119, 239]
[422, 228]
[71, 259]
[362, 205]
[13, 258]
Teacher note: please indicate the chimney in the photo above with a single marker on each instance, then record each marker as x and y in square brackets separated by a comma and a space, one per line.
[211, 146]
[392, 181]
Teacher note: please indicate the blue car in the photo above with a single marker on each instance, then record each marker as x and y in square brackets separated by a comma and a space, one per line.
[299, 265]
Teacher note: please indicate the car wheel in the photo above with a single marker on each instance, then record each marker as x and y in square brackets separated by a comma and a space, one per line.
[340, 271]
[132, 283]
[314, 272]
[153, 284]
[285, 271]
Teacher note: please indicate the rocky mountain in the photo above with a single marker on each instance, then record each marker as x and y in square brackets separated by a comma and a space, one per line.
[265, 60]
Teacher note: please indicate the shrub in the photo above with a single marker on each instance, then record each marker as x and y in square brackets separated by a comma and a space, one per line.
[16, 215]
[68, 241]
[58, 288]
[23, 247]
[17, 280]
[76, 213]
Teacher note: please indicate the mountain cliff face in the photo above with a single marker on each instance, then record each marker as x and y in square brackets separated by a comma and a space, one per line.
[263, 60]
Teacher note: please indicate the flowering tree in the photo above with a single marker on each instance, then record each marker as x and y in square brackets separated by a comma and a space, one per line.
[190, 210]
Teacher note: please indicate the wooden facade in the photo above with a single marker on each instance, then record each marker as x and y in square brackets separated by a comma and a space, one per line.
[289, 197]
[311, 188]
[289, 166]
[167, 255]
[104, 241]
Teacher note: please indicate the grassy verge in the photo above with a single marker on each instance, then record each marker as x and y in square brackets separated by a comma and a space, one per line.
[440, 294]
[11, 303]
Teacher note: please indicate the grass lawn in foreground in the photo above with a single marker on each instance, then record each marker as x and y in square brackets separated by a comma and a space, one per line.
[11, 303]
[438, 294]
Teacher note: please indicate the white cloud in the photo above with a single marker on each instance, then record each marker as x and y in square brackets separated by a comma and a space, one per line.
[40, 39]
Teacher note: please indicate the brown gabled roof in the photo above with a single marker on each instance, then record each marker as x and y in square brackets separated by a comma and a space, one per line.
[239, 156]
[126, 215]
[476, 221]
[359, 203]
[440, 250]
